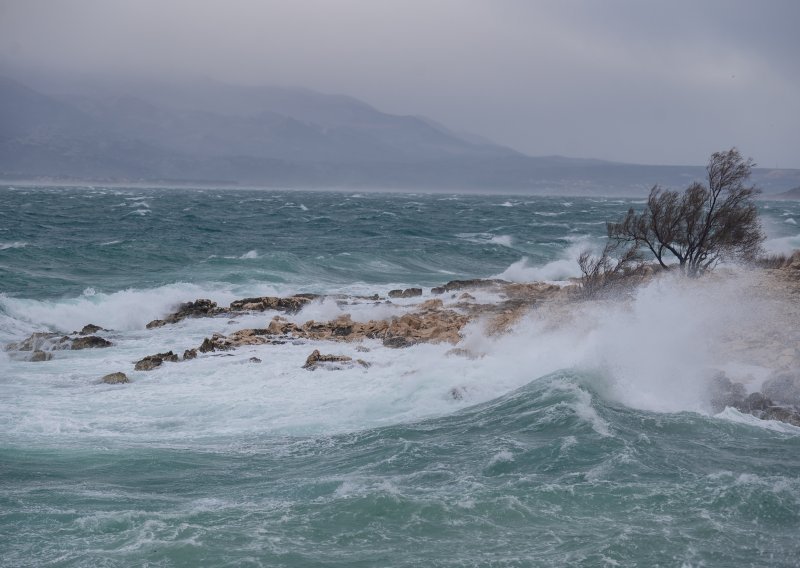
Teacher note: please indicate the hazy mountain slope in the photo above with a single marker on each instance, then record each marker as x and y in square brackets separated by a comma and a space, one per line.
[275, 136]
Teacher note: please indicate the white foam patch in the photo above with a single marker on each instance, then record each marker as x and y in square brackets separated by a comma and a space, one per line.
[13, 245]
[251, 254]
[734, 415]
[556, 270]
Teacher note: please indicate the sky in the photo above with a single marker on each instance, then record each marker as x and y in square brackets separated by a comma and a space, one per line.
[624, 80]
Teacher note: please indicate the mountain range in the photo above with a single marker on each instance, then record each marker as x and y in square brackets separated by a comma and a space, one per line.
[207, 132]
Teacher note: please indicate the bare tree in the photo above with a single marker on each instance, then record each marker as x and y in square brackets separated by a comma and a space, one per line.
[702, 225]
[600, 274]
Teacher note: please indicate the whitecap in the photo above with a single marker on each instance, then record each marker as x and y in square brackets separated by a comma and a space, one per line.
[14, 245]
[249, 255]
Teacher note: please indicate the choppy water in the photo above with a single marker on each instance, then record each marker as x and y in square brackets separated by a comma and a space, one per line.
[568, 446]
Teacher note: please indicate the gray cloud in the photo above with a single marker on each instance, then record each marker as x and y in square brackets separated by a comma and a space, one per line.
[646, 82]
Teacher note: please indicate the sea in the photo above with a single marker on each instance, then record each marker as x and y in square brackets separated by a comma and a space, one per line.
[563, 442]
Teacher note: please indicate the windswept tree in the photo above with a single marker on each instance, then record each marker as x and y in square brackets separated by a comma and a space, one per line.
[706, 223]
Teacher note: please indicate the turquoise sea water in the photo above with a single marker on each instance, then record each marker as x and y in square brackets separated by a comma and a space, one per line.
[564, 447]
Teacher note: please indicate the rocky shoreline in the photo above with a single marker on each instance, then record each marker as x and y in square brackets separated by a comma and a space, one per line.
[439, 319]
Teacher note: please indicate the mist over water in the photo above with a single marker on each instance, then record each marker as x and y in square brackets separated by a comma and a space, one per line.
[577, 438]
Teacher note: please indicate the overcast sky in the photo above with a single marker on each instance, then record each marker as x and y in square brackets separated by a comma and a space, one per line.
[634, 81]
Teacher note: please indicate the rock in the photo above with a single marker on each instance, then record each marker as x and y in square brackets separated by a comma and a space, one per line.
[89, 342]
[115, 379]
[473, 283]
[290, 305]
[216, 342]
[407, 293]
[755, 402]
[254, 360]
[39, 341]
[189, 354]
[362, 349]
[38, 356]
[466, 297]
[332, 362]
[783, 387]
[723, 392]
[438, 290]
[199, 308]
[432, 305]
[89, 329]
[398, 342]
[152, 361]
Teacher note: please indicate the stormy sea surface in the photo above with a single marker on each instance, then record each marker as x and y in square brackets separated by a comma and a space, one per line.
[578, 447]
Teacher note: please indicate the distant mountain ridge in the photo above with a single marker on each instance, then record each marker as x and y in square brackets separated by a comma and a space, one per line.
[206, 131]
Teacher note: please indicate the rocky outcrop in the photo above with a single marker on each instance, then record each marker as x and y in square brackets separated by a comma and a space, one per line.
[331, 362]
[89, 342]
[407, 293]
[454, 285]
[38, 356]
[47, 341]
[39, 341]
[115, 379]
[153, 361]
[726, 393]
[89, 329]
[197, 309]
[290, 305]
[784, 387]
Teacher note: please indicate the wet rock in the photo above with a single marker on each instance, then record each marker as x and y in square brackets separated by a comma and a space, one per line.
[254, 360]
[466, 297]
[398, 341]
[755, 402]
[290, 305]
[438, 290]
[783, 387]
[216, 342]
[362, 349]
[407, 293]
[39, 341]
[153, 361]
[115, 379]
[38, 356]
[723, 393]
[89, 342]
[89, 329]
[331, 362]
[189, 354]
[473, 283]
[197, 309]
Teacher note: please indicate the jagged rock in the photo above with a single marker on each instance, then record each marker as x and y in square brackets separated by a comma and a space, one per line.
[254, 360]
[89, 329]
[473, 283]
[115, 379]
[39, 341]
[38, 356]
[199, 308]
[783, 387]
[398, 341]
[189, 354]
[290, 305]
[438, 290]
[89, 342]
[332, 362]
[362, 349]
[152, 361]
[432, 305]
[407, 293]
[216, 342]
[723, 392]
[466, 297]
[755, 402]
